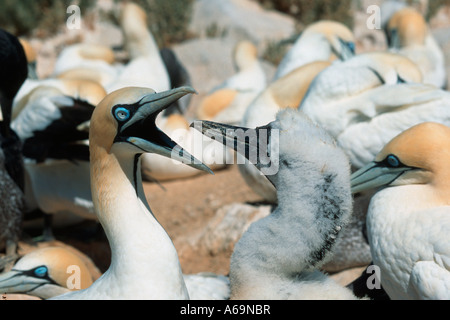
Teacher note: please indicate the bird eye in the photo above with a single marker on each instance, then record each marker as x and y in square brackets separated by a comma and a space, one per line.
[40, 271]
[122, 114]
[392, 161]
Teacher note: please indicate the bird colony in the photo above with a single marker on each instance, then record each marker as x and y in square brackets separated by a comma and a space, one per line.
[348, 150]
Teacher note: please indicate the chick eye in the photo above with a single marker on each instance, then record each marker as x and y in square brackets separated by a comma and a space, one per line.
[121, 114]
[392, 161]
[40, 271]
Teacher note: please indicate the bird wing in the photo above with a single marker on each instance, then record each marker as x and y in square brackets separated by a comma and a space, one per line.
[431, 281]
[50, 129]
[374, 120]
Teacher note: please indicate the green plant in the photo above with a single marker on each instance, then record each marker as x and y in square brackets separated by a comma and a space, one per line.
[308, 11]
[23, 17]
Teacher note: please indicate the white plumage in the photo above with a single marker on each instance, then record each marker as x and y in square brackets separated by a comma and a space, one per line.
[321, 41]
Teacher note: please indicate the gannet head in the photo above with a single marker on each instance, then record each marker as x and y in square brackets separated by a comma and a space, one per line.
[46, 272]
[341, 39]
[125, 119]
[290, 143]
[418, 155]
[405, 28]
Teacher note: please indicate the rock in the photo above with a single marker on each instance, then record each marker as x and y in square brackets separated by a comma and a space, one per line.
[228, 225]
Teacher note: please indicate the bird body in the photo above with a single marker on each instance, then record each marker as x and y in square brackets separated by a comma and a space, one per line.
[55, 149]
[408, 218]
[365, 104]
[321, 41]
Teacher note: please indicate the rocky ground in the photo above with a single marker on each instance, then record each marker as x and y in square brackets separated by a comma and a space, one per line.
[191, 210]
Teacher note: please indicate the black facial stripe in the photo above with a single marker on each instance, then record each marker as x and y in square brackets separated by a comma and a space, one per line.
[30, 273]
[378, 75]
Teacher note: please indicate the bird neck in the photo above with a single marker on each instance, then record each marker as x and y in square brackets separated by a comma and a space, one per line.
[139, 40]
[143, 255]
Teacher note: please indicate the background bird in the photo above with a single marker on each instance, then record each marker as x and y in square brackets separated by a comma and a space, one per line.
[321, 41]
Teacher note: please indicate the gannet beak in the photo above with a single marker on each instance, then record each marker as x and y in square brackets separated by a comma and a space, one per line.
[374, 175]
[141, 130]
[16, 281]
[253, 144]
[347, 50]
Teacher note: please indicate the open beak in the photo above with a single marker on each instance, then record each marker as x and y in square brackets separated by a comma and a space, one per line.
[142, 132]
[16, 281]
[373, 175]
[252, 144]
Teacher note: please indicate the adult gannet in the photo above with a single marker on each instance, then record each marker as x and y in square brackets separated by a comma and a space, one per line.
[408, 34]
[87, 61]
[367, 100]
[321, 41]
[51, 271]
[144, 262]
[46, 272]
[227, 102]
[409, 217]
[13, 64]
[278, 256]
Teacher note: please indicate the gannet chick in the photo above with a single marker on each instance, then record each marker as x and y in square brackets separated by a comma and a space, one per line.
[321, 41]
[278, 256]
[408, 219]
[408, 34]
[144, 262]
[227, 102]
[46, 272]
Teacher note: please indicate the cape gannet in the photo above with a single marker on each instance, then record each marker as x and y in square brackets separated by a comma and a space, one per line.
[51, 271]
[321, 41]
[46, 272]
[408, 219]
[367, 100]
[144, 262]
[408, 34]
[55, 148]
[278, 256]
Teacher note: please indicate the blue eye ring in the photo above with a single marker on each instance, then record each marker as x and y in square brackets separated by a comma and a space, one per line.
[41, 271]
[392, 161]
[122, 114]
